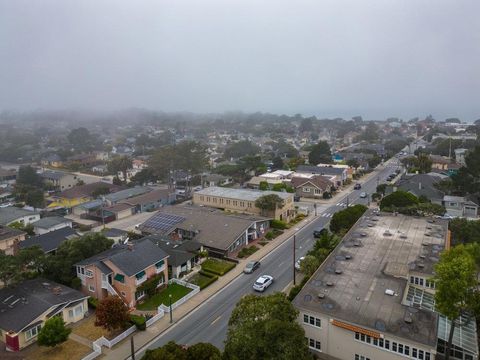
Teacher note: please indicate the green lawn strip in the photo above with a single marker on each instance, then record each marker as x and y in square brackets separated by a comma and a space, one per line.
[177, 291]
[217, 267]
[203, 279]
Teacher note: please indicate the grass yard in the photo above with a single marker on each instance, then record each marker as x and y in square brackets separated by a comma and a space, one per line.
[70, 349]
[217, 267]
[177, 291]
[202, 280]
[87, 329]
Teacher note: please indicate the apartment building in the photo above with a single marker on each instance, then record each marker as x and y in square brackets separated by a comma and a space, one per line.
[373, 297]
[121, 270]
[243, 201]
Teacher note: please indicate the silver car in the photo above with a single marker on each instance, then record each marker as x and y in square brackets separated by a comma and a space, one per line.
[262, 283]
[251, 267]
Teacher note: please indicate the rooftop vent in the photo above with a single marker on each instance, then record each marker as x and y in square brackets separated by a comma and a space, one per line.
[348, 257]
[421, 265]
[389, 292]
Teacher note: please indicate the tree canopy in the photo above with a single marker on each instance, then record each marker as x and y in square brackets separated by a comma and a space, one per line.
[320, 153]
[398, 199]
[240, 149]
[265, 327]
[111, 313]
[269, 202]
[53, 332]
[467, 180]
[173, 351]
[343, 220]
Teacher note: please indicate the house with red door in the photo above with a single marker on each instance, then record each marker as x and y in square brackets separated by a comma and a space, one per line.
[25, 307]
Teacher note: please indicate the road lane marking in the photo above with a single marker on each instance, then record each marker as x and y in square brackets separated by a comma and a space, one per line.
[214, 321]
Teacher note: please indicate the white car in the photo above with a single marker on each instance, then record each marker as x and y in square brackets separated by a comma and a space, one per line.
[262, 283]
[363, 195]
[297, 263]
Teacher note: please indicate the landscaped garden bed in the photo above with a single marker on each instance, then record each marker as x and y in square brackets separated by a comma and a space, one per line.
[217, 267]
[247, 251]
[176, 290]
[203, 279]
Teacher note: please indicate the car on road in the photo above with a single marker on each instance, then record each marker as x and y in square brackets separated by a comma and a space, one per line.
[319, 232]
[297, 263]
[251, 267]
[357, 186]
[262, 283]
[363, 195]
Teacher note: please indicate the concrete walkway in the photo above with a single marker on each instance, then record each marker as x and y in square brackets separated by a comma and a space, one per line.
[80, 339]
[143, 338]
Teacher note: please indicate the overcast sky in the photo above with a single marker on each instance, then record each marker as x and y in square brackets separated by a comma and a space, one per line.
[378, 59]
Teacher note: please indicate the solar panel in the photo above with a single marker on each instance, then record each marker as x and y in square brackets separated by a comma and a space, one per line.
[162, 221]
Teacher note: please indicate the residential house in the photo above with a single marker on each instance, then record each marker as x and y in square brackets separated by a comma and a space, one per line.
[25, 307]
[59, 180]
[117, 235]
[440, 162]
[51, 223]
[221, 233]
[7, 176]
[52, 160]
[151, 200]
[116, 197]
[215, 180]
[422, 185]
[460, 156]
[84, 210]
[313, 187]
[122, 270]
[82, 193]
[340, 175]
[13, 214]
[10, 239]
[183, 255]
[459, 206]
[82, 160]
[49, 242]
[243, 201]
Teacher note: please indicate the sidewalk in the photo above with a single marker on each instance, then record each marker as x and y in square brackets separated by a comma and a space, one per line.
[142, 338]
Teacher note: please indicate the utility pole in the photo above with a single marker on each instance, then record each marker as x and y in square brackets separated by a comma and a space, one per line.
[315, 207]
[132, 348]
[170, 306]
[294, 245]
[347, 201]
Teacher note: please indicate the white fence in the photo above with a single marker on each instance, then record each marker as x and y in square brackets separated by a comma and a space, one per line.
[157, 317]
[97, 344]
[195, 290]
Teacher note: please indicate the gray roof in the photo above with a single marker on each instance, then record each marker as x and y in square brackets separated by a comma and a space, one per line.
[7, 232]
[214, 228]
[179, 252]
[422, 184]
[114, 232]
[142, 255]
[48, 222]
[49, 241]
[90, 204]
[24, 303]
[127, 193]
[380, 260]
[240, 194]
[54, 175]
[321, 170]
[12, 213]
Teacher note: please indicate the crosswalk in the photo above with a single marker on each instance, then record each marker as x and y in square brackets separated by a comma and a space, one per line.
[326, 215]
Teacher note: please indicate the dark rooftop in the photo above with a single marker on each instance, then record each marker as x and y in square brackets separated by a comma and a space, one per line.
[49, 241]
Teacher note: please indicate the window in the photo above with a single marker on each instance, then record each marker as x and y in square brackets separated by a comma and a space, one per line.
[91, 288]
[75, 312]
[361, 357]
[394, 346]
[306, 189]
[400, 348]
[33, 332]
[159, 264]
[407, 350]
[89, 273]
[311, 320]
[414, 352]
[139, 294]
[314, 344]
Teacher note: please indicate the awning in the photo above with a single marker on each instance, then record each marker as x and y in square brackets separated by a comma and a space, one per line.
[140, 275]
[119, 277]
[160, 263]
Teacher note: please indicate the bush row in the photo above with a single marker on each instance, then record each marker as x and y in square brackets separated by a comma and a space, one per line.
[247, 251]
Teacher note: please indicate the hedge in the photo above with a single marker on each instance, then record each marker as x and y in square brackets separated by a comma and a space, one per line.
[93, 302]
[139, 321]
[217, 267]
[247, 251]
[211, 279]
[278, 224]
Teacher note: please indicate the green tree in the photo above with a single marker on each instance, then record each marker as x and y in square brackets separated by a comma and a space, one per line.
[269, 203]
[277, 163]
[21, 226]
[240, 149]
[320, 153]
[263, 185]
[398, 199]
[467, 180]
[31, 260]
[111, 313]
[381, 188]
[120, 164]
[456, 287]
[9, 270]
[265, 327]
[169, 351]
[81, 139]
[203, 351]
[309, 265]
[53, 332]
[27, 176]
[343, 220]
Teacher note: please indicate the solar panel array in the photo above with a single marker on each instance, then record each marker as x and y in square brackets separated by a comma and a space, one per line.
[163, 221]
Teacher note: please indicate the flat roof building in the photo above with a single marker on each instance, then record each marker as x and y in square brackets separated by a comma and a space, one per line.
[373, 297]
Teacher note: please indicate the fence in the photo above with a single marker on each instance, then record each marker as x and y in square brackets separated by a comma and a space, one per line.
[155, 318]
[195, 290]
[97, 344]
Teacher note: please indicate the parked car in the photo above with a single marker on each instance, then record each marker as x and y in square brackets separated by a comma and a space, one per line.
[251, 267]
[297, 263]
[262, 283]
[319, 232]
[363, 195]
[357, 186]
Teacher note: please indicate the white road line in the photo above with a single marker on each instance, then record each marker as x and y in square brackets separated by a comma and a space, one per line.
[214, 321]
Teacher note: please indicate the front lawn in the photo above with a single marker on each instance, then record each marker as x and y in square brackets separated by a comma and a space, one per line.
[177, 291]
[203, 279]
[217, 267]
[70, 349]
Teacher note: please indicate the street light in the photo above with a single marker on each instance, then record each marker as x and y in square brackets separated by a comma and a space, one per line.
[170, 305]
[294, 244]
[315, 207]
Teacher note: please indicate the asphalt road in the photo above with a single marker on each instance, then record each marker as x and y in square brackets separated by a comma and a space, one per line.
[209, 322]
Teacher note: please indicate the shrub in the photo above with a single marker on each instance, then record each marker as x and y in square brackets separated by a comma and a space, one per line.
[278, 224]
[76, 283]
[139, 321]
[263, 243]
[217, 267]
[208, 278]
[269, 235]
[247, 251]
[398, 199]
[343, 220]
[93, 302]
[150, 286]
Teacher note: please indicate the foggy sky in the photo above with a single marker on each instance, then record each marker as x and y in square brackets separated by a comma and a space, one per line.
[327, 58]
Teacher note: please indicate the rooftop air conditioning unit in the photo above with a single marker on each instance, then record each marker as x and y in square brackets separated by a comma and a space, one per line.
[389, 292]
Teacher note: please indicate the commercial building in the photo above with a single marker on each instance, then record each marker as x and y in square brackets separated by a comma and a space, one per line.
[243, 201]
[373, 297]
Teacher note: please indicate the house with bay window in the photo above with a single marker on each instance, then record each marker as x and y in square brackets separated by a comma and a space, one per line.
[122, 270]
[25, 307]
